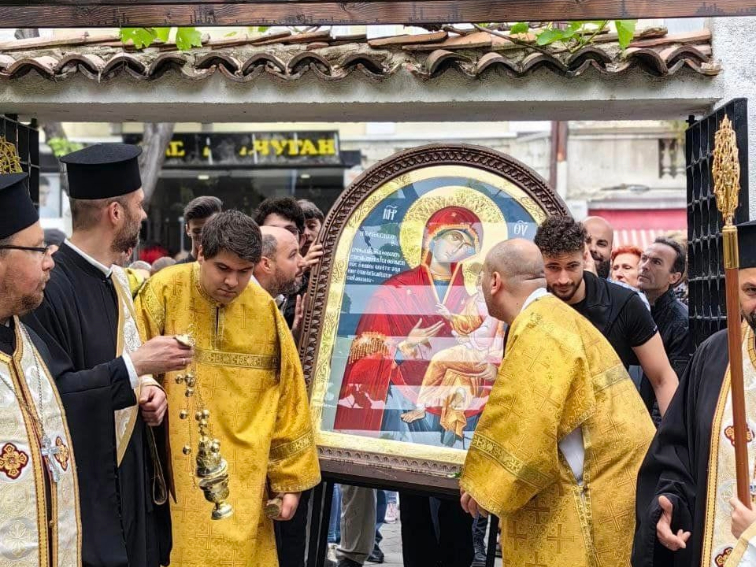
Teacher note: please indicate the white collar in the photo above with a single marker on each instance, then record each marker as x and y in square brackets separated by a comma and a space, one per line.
[536, 295]
[104, 269]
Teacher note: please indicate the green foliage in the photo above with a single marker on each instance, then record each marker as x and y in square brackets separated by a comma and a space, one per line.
[161, 33]
[142, 37]
[625, 31]
[63, 146]
[579, 33]
[520, 27]
[547, 37]
[186, 38]
[258, 29]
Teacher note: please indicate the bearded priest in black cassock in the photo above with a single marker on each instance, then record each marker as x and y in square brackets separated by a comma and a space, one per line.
[102, 370]
[687, 510]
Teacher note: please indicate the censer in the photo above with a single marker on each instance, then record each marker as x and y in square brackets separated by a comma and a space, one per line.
[212, 468]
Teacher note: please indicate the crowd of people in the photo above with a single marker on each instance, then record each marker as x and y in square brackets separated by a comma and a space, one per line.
[605, 438]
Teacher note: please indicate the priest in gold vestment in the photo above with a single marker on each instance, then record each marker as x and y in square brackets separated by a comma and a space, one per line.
[560, 442]
[248, 376]
[40, 519]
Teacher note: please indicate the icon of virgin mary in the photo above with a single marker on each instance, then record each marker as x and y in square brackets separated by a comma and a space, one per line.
[402, 328]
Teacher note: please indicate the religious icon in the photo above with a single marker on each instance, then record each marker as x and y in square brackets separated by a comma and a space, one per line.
[407, 350]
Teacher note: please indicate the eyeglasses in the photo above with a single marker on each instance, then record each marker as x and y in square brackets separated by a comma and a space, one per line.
[45, 250]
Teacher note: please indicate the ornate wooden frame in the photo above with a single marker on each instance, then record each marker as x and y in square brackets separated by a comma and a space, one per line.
[372, 467]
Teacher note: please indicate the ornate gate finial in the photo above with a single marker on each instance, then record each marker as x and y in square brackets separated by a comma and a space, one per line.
[9, 160]
[726, 170]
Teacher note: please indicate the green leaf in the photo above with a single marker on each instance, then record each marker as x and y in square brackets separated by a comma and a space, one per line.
[63, 146]
[230, 34]
[625, 31]
[186, 38]
[548, 37]
[520, 27]
[161, 33]
[141, 37]
[572, 29]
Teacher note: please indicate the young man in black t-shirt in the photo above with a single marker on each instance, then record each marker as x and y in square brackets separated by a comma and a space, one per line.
[617, 312]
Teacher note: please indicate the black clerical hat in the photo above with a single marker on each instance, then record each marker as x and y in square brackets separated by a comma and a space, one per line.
[103, 171]
[747, 244]
[17, 211]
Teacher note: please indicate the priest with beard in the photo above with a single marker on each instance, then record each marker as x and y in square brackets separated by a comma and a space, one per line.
[687, 510]
[102, 370]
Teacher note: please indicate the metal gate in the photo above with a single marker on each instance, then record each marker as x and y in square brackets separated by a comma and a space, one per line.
[26, 139]
[706, 291]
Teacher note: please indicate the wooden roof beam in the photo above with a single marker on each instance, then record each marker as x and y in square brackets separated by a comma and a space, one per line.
[144, 13]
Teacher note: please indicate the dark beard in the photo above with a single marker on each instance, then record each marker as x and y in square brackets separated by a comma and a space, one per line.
[128, 238]
[751, 318]
[30, 303]
[287, 288]
[24, 304]
[125, 241]
[574, 290]
[603, 268]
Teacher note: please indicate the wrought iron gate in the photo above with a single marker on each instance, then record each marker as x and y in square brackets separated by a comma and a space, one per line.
[706, 291]
[26, 139]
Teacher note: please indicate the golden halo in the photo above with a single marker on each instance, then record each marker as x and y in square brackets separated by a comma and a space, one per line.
[491, 218]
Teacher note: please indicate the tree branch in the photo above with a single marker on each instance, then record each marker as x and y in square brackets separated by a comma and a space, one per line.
[154, 143]
[515, 40]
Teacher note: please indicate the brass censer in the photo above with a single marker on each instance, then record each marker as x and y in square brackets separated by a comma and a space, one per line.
[212, 468]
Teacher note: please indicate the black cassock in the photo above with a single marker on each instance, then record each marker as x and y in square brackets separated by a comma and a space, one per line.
[78, 321]
[8, 342]
[678, 460]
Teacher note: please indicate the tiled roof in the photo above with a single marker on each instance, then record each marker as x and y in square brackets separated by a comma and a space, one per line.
[291, 56]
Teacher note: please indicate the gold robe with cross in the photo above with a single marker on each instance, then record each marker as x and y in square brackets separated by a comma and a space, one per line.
[249, 377]
[559, 374]
[28, 496]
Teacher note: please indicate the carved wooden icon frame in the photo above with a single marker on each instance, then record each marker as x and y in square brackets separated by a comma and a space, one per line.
[358, 412]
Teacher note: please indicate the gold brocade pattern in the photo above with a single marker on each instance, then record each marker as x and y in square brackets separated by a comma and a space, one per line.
[559, 374]
[718, 538]
[279, 452]
[259, 413]
[23, 498]
[128, 341]
[237, 359]
[510, 462]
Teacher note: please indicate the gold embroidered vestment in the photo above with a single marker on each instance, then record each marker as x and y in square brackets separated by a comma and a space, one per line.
[26, 537]
[559, 374]
[250, 379]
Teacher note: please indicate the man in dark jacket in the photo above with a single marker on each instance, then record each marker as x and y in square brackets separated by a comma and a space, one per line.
[617, 312]
[196, 213]
[662, 267]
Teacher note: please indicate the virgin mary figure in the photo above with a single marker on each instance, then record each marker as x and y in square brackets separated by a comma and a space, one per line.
[401, 328]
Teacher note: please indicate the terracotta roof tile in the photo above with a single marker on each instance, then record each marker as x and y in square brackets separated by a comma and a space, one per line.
[291, 56]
